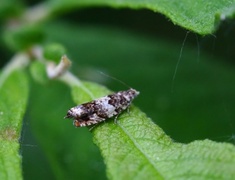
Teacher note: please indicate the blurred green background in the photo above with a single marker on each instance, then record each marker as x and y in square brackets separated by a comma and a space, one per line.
[188, 89]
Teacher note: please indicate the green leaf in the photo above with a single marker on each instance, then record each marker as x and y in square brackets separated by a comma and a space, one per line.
[13, 99]
[136, 148]
[199, 16]
[54, 52]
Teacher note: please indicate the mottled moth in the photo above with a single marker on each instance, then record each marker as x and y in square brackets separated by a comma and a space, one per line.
[100, 109]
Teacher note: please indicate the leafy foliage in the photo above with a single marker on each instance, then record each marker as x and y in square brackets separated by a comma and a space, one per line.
[197, 104]
[199, 16]
[13, 99]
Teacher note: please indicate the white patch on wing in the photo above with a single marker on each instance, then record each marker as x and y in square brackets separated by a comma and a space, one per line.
[108, 108]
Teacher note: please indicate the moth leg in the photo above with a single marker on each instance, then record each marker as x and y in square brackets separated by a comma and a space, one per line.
[115, 119]
[92, 127]
[128, 110]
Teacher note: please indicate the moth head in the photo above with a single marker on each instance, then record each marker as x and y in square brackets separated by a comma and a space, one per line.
[74, 112]
[77, 113]
[70, 114]
[134, 92]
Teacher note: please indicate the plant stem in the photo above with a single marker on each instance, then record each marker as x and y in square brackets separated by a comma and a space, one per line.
[36, 14]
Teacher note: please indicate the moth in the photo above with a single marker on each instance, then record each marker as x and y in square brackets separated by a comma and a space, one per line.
[100, 109]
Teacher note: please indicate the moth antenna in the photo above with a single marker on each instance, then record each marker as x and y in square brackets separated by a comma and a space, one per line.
[118, 80]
